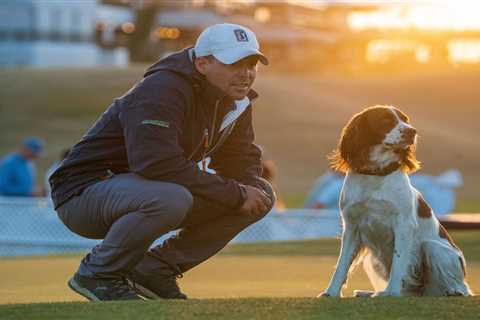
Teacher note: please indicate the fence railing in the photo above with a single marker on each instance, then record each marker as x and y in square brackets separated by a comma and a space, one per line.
[30, 226]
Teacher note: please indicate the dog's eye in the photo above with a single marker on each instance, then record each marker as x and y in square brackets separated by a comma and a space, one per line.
[387, 121]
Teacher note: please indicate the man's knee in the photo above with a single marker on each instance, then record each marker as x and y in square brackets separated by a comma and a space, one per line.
[173, 203]
[180, 202]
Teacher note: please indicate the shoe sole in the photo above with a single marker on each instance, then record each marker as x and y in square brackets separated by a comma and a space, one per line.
[81, 290]
[141, 290]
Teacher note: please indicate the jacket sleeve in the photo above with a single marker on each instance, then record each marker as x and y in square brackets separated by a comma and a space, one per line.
[152, 126]
[239, 158]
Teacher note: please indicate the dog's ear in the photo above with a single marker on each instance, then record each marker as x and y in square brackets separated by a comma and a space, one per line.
[409, 161]
[352, 149]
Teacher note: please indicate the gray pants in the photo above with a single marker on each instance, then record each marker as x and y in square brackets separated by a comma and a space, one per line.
[129, 213]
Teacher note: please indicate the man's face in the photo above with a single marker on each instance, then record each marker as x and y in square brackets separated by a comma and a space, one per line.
[28, 154]
[234, 79]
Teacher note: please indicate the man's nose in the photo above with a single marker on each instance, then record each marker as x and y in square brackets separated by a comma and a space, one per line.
[246, 71]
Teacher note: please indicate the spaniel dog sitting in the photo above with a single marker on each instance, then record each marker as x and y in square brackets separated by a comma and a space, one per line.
[386, 222]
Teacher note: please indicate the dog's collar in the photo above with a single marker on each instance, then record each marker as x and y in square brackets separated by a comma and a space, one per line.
[380, 172]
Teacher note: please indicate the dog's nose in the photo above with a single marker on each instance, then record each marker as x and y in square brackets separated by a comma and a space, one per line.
[409, 133]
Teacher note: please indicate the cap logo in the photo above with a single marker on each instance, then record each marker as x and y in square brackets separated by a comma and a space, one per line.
[241, 35]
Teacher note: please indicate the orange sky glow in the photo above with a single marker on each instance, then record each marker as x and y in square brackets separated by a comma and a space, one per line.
[459, 15]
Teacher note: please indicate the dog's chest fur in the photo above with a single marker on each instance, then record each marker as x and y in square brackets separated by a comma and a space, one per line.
[373, 205]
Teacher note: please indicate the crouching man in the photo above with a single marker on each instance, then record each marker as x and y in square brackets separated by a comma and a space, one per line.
[141, 170]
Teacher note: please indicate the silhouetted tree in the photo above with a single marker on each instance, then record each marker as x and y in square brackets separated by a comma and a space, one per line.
[145, 13]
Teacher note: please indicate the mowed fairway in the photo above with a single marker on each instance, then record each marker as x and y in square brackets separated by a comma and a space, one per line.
[44, 279]
[292, 273]
[298, 119]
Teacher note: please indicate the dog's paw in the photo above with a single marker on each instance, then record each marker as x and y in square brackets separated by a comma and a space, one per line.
[323, 294]
[453, 293]
[363, 293]
[386, 293]
[327, 294]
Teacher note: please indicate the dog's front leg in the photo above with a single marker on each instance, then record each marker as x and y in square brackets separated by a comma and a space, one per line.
[348, 251]
[403, 242]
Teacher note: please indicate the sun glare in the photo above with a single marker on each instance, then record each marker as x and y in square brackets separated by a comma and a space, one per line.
[464, 51]
[435, 16]
[459, 15]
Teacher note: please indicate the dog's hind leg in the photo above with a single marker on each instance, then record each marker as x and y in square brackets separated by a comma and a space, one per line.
[444, 270]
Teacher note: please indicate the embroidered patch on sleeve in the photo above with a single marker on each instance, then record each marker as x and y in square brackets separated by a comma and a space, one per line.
[159, 123]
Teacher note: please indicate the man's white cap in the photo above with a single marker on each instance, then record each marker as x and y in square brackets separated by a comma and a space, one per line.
[228, 43]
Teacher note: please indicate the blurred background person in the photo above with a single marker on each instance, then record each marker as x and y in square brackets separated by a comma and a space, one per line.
[326, 191]
[18, 169]
[439, 191]
[269, 172]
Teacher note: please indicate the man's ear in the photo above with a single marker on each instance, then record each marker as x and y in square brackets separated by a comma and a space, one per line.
[202, 64]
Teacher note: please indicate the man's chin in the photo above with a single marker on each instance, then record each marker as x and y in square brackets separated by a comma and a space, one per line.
[238, 95]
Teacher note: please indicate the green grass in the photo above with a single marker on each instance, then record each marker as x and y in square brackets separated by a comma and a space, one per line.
[264, 309]
[324, 247]
[466, 205]
[294, 200]
[468, 241]
[255, 281]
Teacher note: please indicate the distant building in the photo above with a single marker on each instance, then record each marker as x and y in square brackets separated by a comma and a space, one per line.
[52, 33]
[176, 28]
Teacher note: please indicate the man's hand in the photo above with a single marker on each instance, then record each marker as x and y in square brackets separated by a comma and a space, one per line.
[257, 202]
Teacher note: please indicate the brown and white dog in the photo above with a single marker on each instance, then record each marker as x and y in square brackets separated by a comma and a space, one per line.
[386, 222]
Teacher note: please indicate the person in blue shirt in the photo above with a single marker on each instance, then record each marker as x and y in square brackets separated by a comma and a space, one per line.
[326, 192]
[439, 190]
[18, 170]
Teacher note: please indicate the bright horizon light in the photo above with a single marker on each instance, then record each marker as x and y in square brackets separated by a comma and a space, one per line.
[430, 16]
[459, 15]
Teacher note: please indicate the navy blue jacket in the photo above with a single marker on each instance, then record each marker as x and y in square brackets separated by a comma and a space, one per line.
[160, 129]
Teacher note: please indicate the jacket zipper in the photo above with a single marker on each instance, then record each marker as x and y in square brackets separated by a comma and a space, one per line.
[205, 147]
[226, 132]
[208, 138]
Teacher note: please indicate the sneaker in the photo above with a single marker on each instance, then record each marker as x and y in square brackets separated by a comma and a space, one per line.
[156, 286]
[104, 289]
